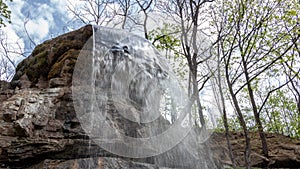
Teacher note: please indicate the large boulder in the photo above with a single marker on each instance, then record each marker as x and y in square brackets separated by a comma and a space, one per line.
[51, 63]
[39, 127]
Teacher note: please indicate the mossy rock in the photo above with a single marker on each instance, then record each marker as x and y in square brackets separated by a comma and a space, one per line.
[39, 49]
[71, 55]
[47, 59]
[38, 67]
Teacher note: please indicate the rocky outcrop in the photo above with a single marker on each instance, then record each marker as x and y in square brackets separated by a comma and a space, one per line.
[33, 126]
[39, 128]
[284, 152]
[51, 63]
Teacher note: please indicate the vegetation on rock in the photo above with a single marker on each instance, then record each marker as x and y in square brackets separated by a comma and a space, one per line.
[48, 59]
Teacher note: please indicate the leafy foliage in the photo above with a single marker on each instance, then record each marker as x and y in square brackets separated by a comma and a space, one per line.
[4, 13]
[164, 37]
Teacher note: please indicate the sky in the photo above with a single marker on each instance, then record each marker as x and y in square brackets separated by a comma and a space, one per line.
[44, 19]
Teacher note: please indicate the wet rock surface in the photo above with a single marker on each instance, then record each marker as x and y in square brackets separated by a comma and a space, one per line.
[39, 128]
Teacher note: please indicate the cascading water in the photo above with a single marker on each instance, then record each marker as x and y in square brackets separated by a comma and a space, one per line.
[124, 96]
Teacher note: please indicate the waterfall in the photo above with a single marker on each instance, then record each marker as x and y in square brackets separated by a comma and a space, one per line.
[125, 94]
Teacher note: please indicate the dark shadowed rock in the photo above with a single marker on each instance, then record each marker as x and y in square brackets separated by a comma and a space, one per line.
[4, 85]
[5, 91]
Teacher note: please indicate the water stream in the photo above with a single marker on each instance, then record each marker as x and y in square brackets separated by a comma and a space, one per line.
[130, 103]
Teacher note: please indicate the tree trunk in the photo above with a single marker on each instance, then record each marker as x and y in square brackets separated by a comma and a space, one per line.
[241, 120]
[225, 122]
[255, 110]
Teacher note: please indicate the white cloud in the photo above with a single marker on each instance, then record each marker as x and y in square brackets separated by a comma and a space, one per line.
[62, 5]
[38, 28]
[39, 20]
[17, 17]
[45, 11]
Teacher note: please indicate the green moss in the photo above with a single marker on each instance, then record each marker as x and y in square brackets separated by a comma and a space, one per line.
[56, 69]
[37, 66]
[39, 48]
[51, 55]
[21, 64]
[63, 47]
[20, 69]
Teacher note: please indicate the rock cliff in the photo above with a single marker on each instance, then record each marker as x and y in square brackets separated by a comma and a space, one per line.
[39, 128]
